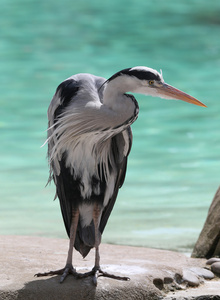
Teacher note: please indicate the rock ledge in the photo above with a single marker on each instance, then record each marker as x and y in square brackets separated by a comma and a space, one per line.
[155, 274]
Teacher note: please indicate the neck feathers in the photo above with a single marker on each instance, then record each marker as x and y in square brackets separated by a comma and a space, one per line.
[114, 92]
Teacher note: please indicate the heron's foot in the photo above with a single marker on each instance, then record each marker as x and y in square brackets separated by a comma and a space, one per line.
[68, 269]
[97, 272]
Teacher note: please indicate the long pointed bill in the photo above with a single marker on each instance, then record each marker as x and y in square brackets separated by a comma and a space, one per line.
[170, 92]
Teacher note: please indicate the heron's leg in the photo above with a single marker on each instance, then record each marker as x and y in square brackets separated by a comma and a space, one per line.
[96, 218]
[73, 228]
[68, 269]
[96, 271]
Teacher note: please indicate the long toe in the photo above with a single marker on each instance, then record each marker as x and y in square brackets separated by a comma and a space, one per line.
[95, 277]
[105, 274]
[50, 273]
[68, 269]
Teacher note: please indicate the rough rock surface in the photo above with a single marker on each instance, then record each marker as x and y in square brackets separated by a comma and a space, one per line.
[208, 243]
[155, 274]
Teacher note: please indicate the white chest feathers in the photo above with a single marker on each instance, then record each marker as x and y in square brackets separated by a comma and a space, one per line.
[89, 159]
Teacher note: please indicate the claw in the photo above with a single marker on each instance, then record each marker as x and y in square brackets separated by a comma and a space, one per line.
[95, 277]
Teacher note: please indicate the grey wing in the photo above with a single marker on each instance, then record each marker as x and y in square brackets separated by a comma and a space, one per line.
[121, 146]
[61, 175]
[64, 94]
[67, 188]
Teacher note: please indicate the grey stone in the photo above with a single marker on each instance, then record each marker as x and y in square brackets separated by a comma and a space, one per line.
[190, 278]
[207, 274]
[208, 243]
[215, 267]
[212, 260]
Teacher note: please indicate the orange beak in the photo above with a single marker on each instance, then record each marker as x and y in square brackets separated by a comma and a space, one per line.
[170, 92]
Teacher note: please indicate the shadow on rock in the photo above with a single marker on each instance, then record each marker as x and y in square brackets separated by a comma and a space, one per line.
[51, 289]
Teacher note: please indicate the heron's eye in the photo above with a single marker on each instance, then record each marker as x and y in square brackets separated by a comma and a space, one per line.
[151, 82]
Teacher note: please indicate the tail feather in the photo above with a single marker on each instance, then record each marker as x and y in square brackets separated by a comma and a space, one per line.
[85, 239]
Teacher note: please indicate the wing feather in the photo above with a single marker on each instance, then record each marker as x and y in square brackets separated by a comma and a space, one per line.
[65, 187]
[120, 142]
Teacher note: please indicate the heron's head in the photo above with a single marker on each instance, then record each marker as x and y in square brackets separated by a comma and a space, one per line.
[147, 81]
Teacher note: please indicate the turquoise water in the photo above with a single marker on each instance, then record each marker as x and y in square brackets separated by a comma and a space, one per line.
[174, 165]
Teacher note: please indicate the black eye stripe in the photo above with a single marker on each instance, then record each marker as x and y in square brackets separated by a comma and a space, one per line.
[140, 74]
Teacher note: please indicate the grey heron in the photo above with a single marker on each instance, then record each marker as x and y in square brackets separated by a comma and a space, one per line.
[89, 140]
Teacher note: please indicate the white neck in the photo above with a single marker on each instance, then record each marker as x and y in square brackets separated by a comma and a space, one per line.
[114, 93]
[115, 99]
